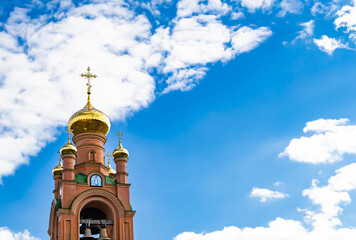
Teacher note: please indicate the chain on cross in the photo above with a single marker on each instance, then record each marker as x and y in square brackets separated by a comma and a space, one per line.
[120, 134]
[88, 76]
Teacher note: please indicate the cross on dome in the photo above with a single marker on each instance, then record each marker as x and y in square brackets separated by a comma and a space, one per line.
[88, 76]
[108, 155]
[120, 134]
[89, 119]
[68, 132]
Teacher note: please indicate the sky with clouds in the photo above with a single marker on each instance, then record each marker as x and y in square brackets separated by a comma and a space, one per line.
[239, 115]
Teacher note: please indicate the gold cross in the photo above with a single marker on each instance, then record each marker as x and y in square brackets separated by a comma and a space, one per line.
[120, 134]
[88, 76]
[108, 155]
[67, 130]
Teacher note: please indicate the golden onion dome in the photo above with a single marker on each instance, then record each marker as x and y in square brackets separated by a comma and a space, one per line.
[120, 152]
[57, 170]
[112, 172]
[68, 148]
[89, 119]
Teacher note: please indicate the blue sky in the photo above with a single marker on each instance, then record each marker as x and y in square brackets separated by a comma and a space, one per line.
[239, 116]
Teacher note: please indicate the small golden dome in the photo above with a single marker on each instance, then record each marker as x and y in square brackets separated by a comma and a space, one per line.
[57, 170]
[68, 148]
[89, 119]
[112, 172]
[120, 152]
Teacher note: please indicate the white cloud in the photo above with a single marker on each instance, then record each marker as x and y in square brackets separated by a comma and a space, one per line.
[40, 85]
[277, 184]
[153, 5]
[308, 28]
[266, 194]
[245, 38]
[346, 17]
[290, 6]
[185, 79]
[6, 234]
[237, 15]
[328, 45]
[330, 197]
[253, 5]
[345, 178]
[279, 229]
[199, 40]
[327, 8]
[306, 32]
[330, 139]
[329, 201]
[186, 8]
[324, 221]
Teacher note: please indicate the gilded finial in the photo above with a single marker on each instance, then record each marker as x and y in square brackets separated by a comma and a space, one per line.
[68, 147]
[57, 170]
[88, 76]
[120, 134]
[68, 132]
[108, 155]
[112, 172]
[60, 158]
[120, 151]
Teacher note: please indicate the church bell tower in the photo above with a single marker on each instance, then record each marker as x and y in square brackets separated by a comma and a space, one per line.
[91, 200]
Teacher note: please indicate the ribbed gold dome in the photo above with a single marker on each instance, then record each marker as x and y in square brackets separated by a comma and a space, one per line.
[120, 152]
[68, 148]
[89, 119]
[57, 170]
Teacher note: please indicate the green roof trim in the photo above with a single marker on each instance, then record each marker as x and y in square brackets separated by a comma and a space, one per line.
[109, 180]
[131, 207]
[81, 178]
[58, 203]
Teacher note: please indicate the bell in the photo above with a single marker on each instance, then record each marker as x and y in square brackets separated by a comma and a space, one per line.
[103, 234]
[87, 234]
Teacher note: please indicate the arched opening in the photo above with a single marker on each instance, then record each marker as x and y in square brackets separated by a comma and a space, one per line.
[91, 155]
[95, 216]
[92, 213]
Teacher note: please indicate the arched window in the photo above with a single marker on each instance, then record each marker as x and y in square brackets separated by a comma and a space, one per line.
[91, 155]
[96, 181]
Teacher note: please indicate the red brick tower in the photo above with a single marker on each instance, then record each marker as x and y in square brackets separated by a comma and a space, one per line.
[91, 200]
